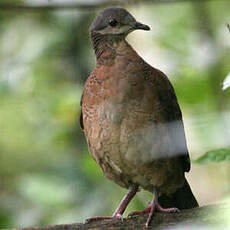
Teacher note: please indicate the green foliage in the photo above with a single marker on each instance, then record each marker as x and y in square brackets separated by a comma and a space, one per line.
[217, 155]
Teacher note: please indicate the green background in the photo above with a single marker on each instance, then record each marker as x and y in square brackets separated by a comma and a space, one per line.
[46, 173]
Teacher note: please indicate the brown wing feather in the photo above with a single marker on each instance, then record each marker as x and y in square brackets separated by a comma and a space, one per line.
[173, 115]
[81, 116]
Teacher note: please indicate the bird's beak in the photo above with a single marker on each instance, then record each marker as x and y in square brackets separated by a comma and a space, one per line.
[140, 26]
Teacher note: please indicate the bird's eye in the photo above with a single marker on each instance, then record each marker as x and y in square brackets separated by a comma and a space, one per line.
[113, 22]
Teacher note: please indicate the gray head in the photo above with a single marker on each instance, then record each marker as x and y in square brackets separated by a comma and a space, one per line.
[116, 21]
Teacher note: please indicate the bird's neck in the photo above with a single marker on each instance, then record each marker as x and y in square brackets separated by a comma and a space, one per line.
[105, 46]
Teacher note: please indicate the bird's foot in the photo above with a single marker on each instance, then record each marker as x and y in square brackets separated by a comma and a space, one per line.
[153, 206]
[117, 216]
[121, 207]
[137, 213]
[166, 210]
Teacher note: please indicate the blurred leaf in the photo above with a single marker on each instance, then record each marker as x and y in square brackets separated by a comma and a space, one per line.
[217, 155]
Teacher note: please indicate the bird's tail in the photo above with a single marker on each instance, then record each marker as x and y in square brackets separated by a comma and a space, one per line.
[183, 198]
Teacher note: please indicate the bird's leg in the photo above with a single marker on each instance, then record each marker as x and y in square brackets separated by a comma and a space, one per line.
[121, 207]
[125, 201]
[153, 206]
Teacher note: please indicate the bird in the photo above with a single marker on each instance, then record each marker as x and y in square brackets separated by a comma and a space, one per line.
[132, 120]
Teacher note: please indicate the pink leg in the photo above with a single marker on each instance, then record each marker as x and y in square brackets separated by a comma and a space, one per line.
[136, 213]
[153, 206]
[121, 207]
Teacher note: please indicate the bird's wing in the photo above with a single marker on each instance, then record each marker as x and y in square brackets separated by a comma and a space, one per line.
[81, 116]
[172, 114]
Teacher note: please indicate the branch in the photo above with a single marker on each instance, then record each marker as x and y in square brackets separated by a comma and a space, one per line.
[84, 5]
[212, 215]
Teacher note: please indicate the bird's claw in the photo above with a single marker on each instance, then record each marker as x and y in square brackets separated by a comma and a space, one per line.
[167, 210]
[151, 210]
[136, 213]
[119, 216]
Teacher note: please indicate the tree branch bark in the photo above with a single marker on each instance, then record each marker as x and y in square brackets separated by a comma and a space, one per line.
[208, 216]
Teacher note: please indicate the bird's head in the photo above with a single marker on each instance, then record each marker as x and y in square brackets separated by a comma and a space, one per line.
[116, 22]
